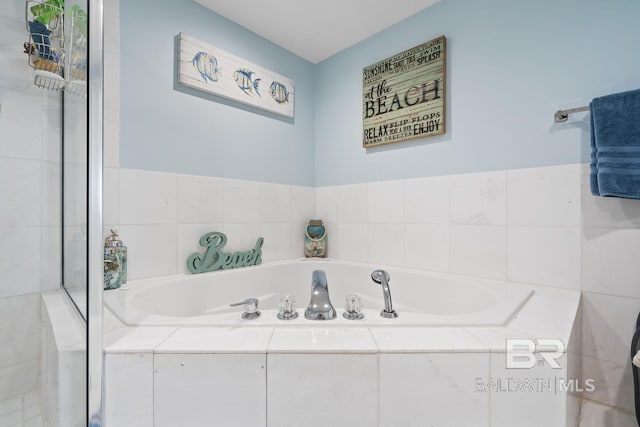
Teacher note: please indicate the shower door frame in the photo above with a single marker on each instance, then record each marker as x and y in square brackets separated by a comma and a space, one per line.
[95, 354]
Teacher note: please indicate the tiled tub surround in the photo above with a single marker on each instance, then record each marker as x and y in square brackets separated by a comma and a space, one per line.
[522, 225]
[161, 217]
[342, 375]
[538, 226]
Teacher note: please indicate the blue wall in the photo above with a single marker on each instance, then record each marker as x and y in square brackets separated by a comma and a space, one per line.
[511, 64]
[168, 130]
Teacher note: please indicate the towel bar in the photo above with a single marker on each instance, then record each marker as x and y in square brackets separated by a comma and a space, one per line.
[563, 115]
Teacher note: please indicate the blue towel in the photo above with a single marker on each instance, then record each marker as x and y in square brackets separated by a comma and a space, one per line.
[615, 145]
[40, 35]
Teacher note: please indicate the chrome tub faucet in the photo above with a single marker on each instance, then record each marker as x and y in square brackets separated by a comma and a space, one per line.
[320, 307]
[381, 277]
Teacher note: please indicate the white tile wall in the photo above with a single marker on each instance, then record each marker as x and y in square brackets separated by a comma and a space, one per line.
[147, 197]
[610, 303]
[223, 389]
[386, 202]
[610, 260]
[342, 396]
[242, 201]
[200, 200]
[352, 203]
[593, 414]
[128, 398]
[539, 405]
[479, 198]
[151, 249]
[430, 389]
[427, 200]
[538, 226]
[20, 350]
[547, 196]
[427, 246]
[479, 250]
[23, 411]
[544, 255]
[161, 217]
[523, 224]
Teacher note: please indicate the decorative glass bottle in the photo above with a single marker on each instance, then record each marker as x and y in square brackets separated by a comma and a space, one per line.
[113, 241]
[112, 269]
[315, 241]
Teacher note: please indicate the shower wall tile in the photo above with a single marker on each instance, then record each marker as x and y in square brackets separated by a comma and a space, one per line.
[612, 383]
[241, 201]
[546, 196]
[427, 200]
[200, 200]
[471, 211]
[275, 202]
[21, 190]
[386, 244]
[479, 198]
[21, 134]
[151, 249]
[350, 241]
[303, 203]
[352, 203]
[327, 203]
[593, 414]
[386, 202]
[20, 378]
[147, 197]
[479, 250]
[20, 260]
[242, 237]
[277, 241]
[51, 194]
[51, 249]
[20, 329]
[427, 246]
[610, 260]
[298, 229]
[608, 325]
[185, 207]
[544, 256]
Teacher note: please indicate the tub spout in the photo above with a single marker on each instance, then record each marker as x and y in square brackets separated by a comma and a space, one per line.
[382, 277]
[320, 307]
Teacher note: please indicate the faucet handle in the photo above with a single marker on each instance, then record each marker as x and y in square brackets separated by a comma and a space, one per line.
[353, 308]
[250, 306]
[287, 308]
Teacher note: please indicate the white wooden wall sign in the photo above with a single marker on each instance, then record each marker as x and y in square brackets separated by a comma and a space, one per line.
[207, 68]
[403, 97]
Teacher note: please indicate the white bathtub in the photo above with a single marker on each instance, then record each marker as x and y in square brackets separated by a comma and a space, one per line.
[420, 298]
